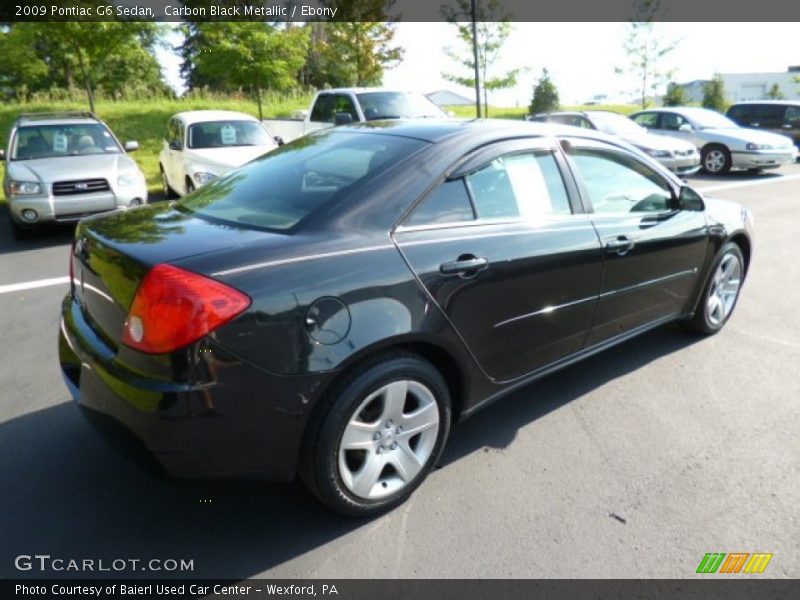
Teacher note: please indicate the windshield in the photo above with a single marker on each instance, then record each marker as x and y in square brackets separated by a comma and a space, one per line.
[279, 189]
[615, 124]
[49, 141]
[221, 134]
[397, 105]
[708, 119]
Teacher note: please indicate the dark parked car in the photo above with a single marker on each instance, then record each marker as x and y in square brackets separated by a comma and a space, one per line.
[330, 308]
[779, 116]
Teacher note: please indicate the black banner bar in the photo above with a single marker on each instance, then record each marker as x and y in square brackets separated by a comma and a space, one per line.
[401, 10]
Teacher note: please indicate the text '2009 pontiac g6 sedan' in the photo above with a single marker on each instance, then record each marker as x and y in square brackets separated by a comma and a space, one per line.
[330, 308]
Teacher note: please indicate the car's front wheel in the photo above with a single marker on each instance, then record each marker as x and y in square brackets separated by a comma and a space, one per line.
[716, 159]
[721, 291]
[383, 431]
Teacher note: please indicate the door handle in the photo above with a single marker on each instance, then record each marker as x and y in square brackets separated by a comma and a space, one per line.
[465, 265]
[620, 245]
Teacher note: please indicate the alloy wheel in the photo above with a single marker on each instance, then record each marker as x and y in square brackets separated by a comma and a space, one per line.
[714, 161]
[724, 290]
[389, 439]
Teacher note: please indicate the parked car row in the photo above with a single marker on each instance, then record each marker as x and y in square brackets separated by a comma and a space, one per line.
[751, 136]
[64, 166]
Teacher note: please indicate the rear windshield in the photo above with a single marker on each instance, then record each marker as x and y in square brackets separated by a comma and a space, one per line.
[48, 141]
[284, 186]
[220, 134]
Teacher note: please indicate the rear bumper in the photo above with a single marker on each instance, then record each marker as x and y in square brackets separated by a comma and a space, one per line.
[230, 419]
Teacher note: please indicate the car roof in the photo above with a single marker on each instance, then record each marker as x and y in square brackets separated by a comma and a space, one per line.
[365, 90]
[436, 130]
[777, 102]
[202, 116]
[25, 121]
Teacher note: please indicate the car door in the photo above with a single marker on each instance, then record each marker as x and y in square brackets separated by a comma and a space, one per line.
[172, 151]
[503, 249]
[676, 126]
[653, 249]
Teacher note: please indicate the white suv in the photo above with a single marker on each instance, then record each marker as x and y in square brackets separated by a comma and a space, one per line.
[201, 145]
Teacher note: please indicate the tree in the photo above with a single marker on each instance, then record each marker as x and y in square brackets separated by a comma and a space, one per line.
[107, 56]
[545, 95]
[353, 53]
[492, 29]
[675, 96]
[252, 55]
[775, 93]
[646, 49]
[714, 94]
[354, 50]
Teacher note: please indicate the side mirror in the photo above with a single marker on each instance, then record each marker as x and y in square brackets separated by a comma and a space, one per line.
[131, 146]
[2, 154]
[690, 200]
[685, 127]
[342, 118]
[279, 140]
[175, 145]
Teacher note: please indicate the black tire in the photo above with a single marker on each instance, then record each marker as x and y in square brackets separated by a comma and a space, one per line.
[20, 233]
[709, 159]
[319, 460]
[168, 191]
[702, 322]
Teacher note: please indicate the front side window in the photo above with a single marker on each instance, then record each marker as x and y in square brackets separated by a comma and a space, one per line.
[793, 115]
[672, 122]
[647, 120]
[326, 107]
[397, 105]
[617, 183]
[279, 189]
[221, 134]
[519, 185]
[49, 141]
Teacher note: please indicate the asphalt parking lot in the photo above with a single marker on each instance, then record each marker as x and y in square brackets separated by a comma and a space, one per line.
[634, 463]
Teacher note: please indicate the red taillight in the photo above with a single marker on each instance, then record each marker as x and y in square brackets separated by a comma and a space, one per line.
[173, 308]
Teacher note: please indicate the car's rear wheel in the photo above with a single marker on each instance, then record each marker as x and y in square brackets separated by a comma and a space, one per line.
[721, 291]
[716, 159]
[381, 435]
[168, 191]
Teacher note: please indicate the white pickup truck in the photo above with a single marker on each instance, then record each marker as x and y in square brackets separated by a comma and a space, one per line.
[352, 105]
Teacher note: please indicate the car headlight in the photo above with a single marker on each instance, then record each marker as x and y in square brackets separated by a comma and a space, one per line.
[204, 177]
[24, 188]
[752, 146]
[129, 179]
[659, 153]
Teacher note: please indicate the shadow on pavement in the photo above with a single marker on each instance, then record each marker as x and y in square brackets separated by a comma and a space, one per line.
[67, 494]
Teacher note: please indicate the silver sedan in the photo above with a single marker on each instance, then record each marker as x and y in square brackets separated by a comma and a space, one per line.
[722, 143]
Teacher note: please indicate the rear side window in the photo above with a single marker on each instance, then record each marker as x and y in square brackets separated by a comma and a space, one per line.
[793, 115]
[449, 203]
[519, 185]
[279, 189]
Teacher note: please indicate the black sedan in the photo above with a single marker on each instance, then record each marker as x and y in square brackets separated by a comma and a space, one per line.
[330, 309]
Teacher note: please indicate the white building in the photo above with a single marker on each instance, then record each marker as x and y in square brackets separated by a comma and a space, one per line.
[750, 86]
[756, 86]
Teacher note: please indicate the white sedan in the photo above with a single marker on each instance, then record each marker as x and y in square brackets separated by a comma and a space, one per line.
[722, 143]
[201, 145]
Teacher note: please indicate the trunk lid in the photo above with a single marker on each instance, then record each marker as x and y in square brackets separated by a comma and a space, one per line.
[113, 252]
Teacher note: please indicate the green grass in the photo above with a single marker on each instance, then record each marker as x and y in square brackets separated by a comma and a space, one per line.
[145, 121]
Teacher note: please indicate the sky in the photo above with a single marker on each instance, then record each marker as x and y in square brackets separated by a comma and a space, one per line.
[581, 57]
